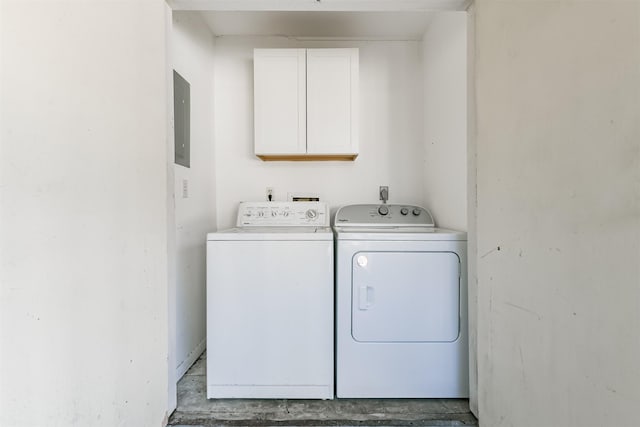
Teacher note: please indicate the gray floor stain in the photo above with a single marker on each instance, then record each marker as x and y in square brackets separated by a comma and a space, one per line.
[195, 410]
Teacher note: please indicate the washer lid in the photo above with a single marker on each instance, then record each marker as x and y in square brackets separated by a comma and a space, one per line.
[373, 216]
[272, 234]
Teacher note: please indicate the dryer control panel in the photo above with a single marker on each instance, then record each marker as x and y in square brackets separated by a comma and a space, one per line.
[283, 214]
[384, 216]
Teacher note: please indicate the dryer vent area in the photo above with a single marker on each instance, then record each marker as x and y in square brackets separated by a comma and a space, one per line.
[194, 409]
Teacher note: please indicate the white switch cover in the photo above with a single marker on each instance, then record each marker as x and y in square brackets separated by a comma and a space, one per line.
[185, 188]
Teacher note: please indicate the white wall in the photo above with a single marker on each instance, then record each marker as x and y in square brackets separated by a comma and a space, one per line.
[444, 55]
[390, 130]
[83, 302]
[558, 145]
[472, 202]
[192, 58]
[448, 170]
[172, 386]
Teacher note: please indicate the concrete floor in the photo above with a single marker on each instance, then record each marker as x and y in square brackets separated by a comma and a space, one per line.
[195, 410]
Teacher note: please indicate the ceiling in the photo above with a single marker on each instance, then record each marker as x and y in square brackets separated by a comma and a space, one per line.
[395, 25]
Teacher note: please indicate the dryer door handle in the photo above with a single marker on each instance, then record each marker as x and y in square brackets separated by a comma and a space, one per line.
[366, 297]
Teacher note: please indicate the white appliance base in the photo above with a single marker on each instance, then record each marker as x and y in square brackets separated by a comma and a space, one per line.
[324, 392]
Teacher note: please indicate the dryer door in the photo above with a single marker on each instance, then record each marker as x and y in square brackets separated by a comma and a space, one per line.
[405, 297]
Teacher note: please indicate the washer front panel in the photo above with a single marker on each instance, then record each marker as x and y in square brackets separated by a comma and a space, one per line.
[270, 331]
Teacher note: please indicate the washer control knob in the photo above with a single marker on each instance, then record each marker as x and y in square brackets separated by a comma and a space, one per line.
[383, 210]
[417, 211]
[274, 213]
[311, 213]
[260, 213]
[404, 211]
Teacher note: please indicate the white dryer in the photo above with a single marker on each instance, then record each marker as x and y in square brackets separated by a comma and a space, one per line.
[270, 304]
[401, 305]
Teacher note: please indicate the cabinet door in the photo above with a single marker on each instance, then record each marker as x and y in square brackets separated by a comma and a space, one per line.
[279, 101]
[332, 101]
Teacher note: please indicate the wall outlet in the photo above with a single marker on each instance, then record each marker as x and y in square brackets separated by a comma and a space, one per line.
[269, 194]
[384, 193]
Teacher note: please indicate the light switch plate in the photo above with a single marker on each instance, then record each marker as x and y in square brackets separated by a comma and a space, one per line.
[384, 193]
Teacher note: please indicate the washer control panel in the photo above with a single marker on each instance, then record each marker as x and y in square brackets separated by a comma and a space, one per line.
[384, 215]
[283, 214]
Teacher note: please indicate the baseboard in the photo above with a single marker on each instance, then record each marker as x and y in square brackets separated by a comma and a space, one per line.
[184, 366]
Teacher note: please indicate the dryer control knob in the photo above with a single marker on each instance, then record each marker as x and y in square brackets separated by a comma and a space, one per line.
[383, 210]
[404, 211]
[417, 211]
[311, 213]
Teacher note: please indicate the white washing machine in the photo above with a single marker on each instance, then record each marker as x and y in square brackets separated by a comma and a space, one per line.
[401, 305]
[270, 306]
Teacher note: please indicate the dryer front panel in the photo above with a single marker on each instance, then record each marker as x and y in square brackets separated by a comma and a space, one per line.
[405, 297]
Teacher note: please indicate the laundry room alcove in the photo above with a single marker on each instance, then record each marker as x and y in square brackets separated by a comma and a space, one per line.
[413, 124]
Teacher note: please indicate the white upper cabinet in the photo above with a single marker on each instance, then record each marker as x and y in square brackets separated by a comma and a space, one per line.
[280, 101]
[332, 101]
[306, 104]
